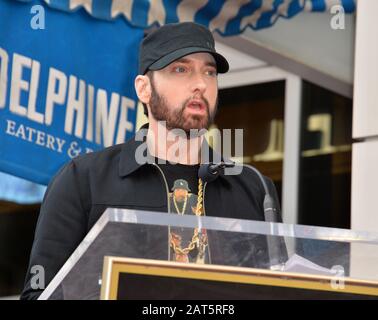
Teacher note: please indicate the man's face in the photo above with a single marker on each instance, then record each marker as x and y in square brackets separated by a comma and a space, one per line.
[180, 194]
[185, 93]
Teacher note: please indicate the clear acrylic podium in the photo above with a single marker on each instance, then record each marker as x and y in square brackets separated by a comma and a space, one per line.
[126, 256]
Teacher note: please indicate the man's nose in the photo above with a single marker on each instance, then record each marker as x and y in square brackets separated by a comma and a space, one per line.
[199, 83]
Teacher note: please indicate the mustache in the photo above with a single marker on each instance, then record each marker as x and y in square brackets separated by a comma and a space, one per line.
[202, 98]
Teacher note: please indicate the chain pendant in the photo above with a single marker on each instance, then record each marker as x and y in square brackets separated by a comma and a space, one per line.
[199, 239]
[181, 257]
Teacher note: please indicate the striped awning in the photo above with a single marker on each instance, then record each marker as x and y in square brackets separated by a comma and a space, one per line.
[228, 17]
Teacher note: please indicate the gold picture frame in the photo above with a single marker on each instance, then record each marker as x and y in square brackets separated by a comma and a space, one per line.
[114, 266]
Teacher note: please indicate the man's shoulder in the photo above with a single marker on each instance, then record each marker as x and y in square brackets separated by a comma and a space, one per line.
[109, 154]
[250, 178]
[95, 163]
[105, 155]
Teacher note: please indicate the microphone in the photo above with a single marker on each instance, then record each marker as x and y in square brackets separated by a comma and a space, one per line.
[210, 171]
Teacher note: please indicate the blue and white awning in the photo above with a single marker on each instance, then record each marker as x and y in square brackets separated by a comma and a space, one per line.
[228, 17]
[63, 91]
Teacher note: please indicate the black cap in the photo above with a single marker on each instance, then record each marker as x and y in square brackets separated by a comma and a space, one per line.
[175, 40]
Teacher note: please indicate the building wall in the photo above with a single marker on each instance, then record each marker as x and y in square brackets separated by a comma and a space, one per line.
[365, 120]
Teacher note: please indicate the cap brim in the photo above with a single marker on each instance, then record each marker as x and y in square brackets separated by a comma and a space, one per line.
[222, 64]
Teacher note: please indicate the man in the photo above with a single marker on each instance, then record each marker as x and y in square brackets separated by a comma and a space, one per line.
[177, 84]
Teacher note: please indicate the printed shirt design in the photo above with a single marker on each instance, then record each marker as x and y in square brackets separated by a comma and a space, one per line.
[183, 201]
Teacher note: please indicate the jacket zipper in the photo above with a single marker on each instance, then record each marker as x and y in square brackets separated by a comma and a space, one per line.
[168, 206]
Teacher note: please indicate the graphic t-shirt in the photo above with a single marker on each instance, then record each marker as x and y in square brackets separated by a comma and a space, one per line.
[183, 197]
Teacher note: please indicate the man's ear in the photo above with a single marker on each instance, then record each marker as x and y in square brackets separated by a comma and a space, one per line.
[143, 88]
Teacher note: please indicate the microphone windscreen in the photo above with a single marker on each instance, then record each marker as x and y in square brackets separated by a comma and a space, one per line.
[206, 174]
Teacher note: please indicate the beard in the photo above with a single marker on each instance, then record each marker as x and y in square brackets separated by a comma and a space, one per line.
[175, 118]
[180, 198]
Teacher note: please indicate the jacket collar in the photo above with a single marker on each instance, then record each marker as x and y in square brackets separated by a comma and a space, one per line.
[128, 163]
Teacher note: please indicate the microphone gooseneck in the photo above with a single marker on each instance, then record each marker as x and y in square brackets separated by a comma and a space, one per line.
[210, 171]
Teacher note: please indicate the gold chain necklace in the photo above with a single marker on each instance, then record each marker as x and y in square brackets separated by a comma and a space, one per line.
[195, 242]
[183, 207]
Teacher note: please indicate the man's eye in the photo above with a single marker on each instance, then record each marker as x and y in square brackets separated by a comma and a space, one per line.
[179, 69]
[211, 73]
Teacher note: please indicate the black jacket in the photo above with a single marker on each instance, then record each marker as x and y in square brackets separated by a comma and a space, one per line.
[82, 190]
